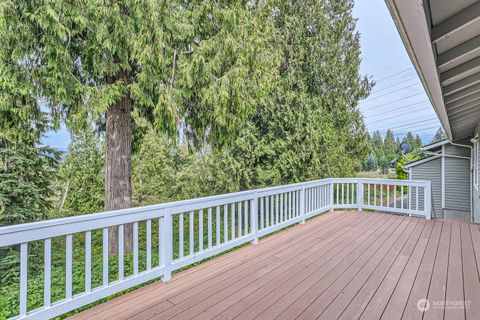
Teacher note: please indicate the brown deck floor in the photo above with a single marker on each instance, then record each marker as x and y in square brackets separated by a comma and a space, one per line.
[341, 265]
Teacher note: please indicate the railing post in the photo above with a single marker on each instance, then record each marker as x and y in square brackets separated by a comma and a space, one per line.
[428, 200]
[302, 205]
[360, 195]
[254, 218]
[167, 244]
[331, 187]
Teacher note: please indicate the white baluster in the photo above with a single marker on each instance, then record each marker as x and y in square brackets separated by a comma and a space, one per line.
[47, 272]
[191, 234]
[149, 244]
[105, 256]
[180, 235]
[135, 248]
[209, 227]
[120, 252]
[200, 230]
[23, 278]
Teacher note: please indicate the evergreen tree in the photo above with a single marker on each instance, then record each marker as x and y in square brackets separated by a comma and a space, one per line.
[205, 63]
[439, 135]
[26, 183]
[310, 125]
[378, 146]
[390, 146]
[398, 141]
[28, 170]
[408, 138]
[418, 142]
[371, 163]
[155, 166]
[81, 173]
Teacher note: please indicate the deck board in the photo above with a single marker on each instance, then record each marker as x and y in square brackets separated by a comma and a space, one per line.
[340, 265]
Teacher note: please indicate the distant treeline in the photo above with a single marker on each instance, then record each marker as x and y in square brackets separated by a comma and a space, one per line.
[385, 151]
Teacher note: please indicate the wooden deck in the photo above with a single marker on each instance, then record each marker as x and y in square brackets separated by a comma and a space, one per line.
[341, 265]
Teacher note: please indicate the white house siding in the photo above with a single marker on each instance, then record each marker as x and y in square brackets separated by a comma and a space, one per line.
[457, 151]
[430, 170]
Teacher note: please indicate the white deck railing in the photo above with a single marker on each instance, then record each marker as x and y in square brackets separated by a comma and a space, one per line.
[190, 231]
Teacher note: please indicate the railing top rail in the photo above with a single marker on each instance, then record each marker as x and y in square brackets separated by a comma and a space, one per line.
[420, 183]
[56, 227]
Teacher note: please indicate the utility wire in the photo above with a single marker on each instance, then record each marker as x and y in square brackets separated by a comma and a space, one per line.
[401, 99]
[412, 124]
[411, 131]
[394, 85]
[397, 109]
[420, 130]
[383, 119]
[389, 93]
[395, 74]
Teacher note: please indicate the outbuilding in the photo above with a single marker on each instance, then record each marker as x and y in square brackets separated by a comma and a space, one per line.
[448, 167]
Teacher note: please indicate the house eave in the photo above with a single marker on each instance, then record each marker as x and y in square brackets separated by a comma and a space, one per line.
[411, 22]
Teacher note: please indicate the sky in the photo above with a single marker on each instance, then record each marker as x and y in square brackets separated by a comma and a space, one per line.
[384, 59]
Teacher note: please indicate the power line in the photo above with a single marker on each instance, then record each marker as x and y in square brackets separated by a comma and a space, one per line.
[394, 85]
[383, 119]
[408, 106]
[411, 124]
[401, 99]
[420, 130]
[411, 131]
[389, 93]
[395, 74]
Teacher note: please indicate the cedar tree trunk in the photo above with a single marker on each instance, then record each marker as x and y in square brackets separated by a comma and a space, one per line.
[118, 182]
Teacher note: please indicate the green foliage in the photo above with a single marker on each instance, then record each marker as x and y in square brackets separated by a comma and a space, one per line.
[26, 182]
[27, 169]
[203, 62]
[414, 142]
[309, 125]
[371, 163]
[81, 175]
[390, 146]
[406, 159]
[164, 171]
[384, 151]
[155, 166]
